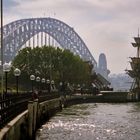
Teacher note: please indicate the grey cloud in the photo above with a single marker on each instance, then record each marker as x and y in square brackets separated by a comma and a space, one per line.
[10, 3]
[104, 25]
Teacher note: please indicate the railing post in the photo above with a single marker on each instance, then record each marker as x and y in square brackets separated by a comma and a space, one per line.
[35, 114]
[30, 118]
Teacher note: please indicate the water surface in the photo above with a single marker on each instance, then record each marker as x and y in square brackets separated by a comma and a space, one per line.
[100, 121]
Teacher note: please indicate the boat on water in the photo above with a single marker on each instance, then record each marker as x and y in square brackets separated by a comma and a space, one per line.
[135, 69]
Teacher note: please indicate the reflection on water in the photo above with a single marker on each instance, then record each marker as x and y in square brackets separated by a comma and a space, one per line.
[94, 122]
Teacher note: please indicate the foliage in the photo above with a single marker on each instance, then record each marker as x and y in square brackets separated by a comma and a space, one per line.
[50, 63]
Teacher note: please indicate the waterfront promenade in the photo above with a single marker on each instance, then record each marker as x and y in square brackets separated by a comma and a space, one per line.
[47, 105]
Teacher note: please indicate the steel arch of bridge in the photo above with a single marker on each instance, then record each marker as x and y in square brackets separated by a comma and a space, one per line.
[17, 33]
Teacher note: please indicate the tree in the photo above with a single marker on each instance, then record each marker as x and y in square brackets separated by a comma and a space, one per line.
[49, 62]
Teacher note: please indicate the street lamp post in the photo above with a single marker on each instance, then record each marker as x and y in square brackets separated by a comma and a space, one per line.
[32, 78]
[6, 69]
[43, 82]
[48, 86]
[38, 80]
[17, 73]
[52, 85]
[1, 45]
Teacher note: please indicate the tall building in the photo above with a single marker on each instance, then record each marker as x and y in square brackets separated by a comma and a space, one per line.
[102, 66]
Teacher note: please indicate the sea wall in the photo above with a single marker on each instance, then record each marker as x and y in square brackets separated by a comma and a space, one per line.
[25, 124]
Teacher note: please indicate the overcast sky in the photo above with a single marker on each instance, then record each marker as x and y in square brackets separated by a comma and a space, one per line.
[106, 26]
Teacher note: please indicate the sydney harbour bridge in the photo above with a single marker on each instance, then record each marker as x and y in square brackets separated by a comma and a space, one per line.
[42, 31]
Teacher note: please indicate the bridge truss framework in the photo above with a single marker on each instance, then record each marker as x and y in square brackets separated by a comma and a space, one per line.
[17, 33]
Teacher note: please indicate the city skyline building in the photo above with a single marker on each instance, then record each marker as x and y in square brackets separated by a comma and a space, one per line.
[102, 66]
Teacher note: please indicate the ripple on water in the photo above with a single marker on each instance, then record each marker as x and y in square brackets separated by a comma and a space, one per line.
[94, 122]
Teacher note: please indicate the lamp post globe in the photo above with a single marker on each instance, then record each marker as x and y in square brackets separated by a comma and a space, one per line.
[6, 69]
[43, 82]
[52, 82]
[17, 73]
[38, 80]
[60, 83]
[48, 81]
[48, 85]
[32, 78]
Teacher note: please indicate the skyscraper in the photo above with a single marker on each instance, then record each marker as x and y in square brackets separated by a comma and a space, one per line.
[102, 66]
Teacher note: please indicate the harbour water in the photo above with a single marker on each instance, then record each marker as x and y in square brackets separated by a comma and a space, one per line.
[100, 121]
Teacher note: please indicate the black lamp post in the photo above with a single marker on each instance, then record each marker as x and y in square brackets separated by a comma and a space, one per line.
[32, 78]
[17, 73]
[43, 82]
[48, 86]
[1, 40]
[6, 69]
[52, 85]
[38, 80]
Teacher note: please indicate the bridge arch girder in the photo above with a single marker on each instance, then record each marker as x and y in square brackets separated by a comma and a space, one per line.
[18, 32]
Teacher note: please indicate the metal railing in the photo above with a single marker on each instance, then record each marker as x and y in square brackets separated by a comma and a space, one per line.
[12, 105]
